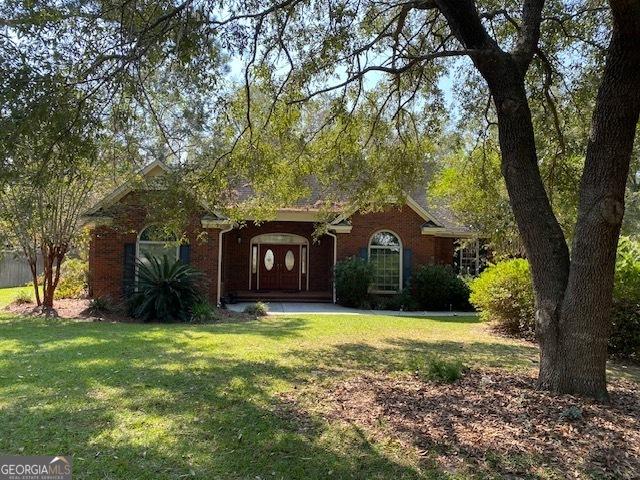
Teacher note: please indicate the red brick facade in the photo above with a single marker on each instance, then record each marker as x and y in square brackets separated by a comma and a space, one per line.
[106, 255]
[106, 249]
[405, 223]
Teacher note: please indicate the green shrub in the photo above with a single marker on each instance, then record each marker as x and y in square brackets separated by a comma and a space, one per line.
[203, 312]
[352, 279]
[436, 287]
[166, 291]
[403, 301]
[624, 341]
[503, 293]
[437, 369]
[23, 297]
[257, 309]
[627, 281]
[73, 279]
[100, 306]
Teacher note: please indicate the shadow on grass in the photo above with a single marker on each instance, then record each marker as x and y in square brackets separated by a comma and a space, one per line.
[136, 401]
[175, 401]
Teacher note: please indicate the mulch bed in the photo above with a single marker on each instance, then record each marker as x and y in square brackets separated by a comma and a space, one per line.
[78, 309]
[493, 423]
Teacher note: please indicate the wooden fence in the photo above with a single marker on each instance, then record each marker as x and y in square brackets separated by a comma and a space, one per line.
[14, 269]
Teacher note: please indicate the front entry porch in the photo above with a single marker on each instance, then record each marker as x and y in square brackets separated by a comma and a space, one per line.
[276, 261]
[282, 296]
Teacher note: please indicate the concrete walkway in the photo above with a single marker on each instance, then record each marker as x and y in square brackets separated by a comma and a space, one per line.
[284, 308]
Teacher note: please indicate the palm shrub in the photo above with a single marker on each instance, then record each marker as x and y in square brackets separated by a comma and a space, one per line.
[166, 290]
[503, 293]
[436, 287]
[353, 277]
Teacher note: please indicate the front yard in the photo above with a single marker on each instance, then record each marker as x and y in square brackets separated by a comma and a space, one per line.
[276, 398]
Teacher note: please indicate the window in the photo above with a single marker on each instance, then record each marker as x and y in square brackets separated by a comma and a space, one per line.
[303, 260]
[254, 259]
[269, 260]
[469, 258]
[289, 260]
[156, 242]
[385, 255]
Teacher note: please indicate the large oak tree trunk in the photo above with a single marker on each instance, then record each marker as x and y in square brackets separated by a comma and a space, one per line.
[583, 327]
[573, 295]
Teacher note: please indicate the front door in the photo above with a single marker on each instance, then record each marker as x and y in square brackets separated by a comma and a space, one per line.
[279, 267]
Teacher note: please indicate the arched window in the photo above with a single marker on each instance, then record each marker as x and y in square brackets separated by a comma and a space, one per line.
[385, 255]
[156, 242]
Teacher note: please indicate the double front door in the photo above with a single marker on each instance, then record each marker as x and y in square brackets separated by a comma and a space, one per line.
[279, 267]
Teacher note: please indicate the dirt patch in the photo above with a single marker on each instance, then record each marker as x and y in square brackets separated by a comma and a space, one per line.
[493, 423]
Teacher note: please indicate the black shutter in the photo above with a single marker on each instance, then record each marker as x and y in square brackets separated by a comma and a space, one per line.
[129, 270]
[407, 267]
[363, 254]
[185, 254]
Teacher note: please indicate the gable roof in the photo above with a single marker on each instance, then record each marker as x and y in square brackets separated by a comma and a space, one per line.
[154, 169]
[439, 220]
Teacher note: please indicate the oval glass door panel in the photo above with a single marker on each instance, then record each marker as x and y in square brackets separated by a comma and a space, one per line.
[289, 260]
[268, 260]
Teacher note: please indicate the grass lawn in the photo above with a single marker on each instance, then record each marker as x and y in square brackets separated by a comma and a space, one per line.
[132, 401]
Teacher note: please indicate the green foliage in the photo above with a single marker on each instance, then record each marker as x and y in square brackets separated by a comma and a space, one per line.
[203, 312]
[437, 287]
[624, 341]
[166, 290]
[353, 277]
[23, 297]
[473, 187]
[101, 305]
[73, 279]
[437, 369]
[257, 309]
[503, 293]
[403, 301]
[627, 280]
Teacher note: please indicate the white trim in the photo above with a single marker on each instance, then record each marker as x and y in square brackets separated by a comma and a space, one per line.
[93, 222]
[340, 228]
[290, 215]
[120, 192]
[447, 232]
[416, 207]
[400, 273]
[214, 223]
[219, 286]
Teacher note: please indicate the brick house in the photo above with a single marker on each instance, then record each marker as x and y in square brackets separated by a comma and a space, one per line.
[274, 260]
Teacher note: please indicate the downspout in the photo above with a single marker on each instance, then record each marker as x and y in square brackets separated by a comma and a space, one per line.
[224, 230]
[335, 258]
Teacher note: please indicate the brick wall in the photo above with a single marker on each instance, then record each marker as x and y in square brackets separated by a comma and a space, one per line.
[106, 249]
[404, 222]
[107, 246]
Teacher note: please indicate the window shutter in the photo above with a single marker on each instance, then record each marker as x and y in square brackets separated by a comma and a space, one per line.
[407, 267]
[129, 270]
[185, 254]
[363, 253]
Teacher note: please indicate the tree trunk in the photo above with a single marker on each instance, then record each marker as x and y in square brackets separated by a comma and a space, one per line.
[33, 266]
[584, 322]
[573, 296]
[53, 255]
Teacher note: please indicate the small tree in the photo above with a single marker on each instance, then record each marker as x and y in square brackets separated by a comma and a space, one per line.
[49, 150]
